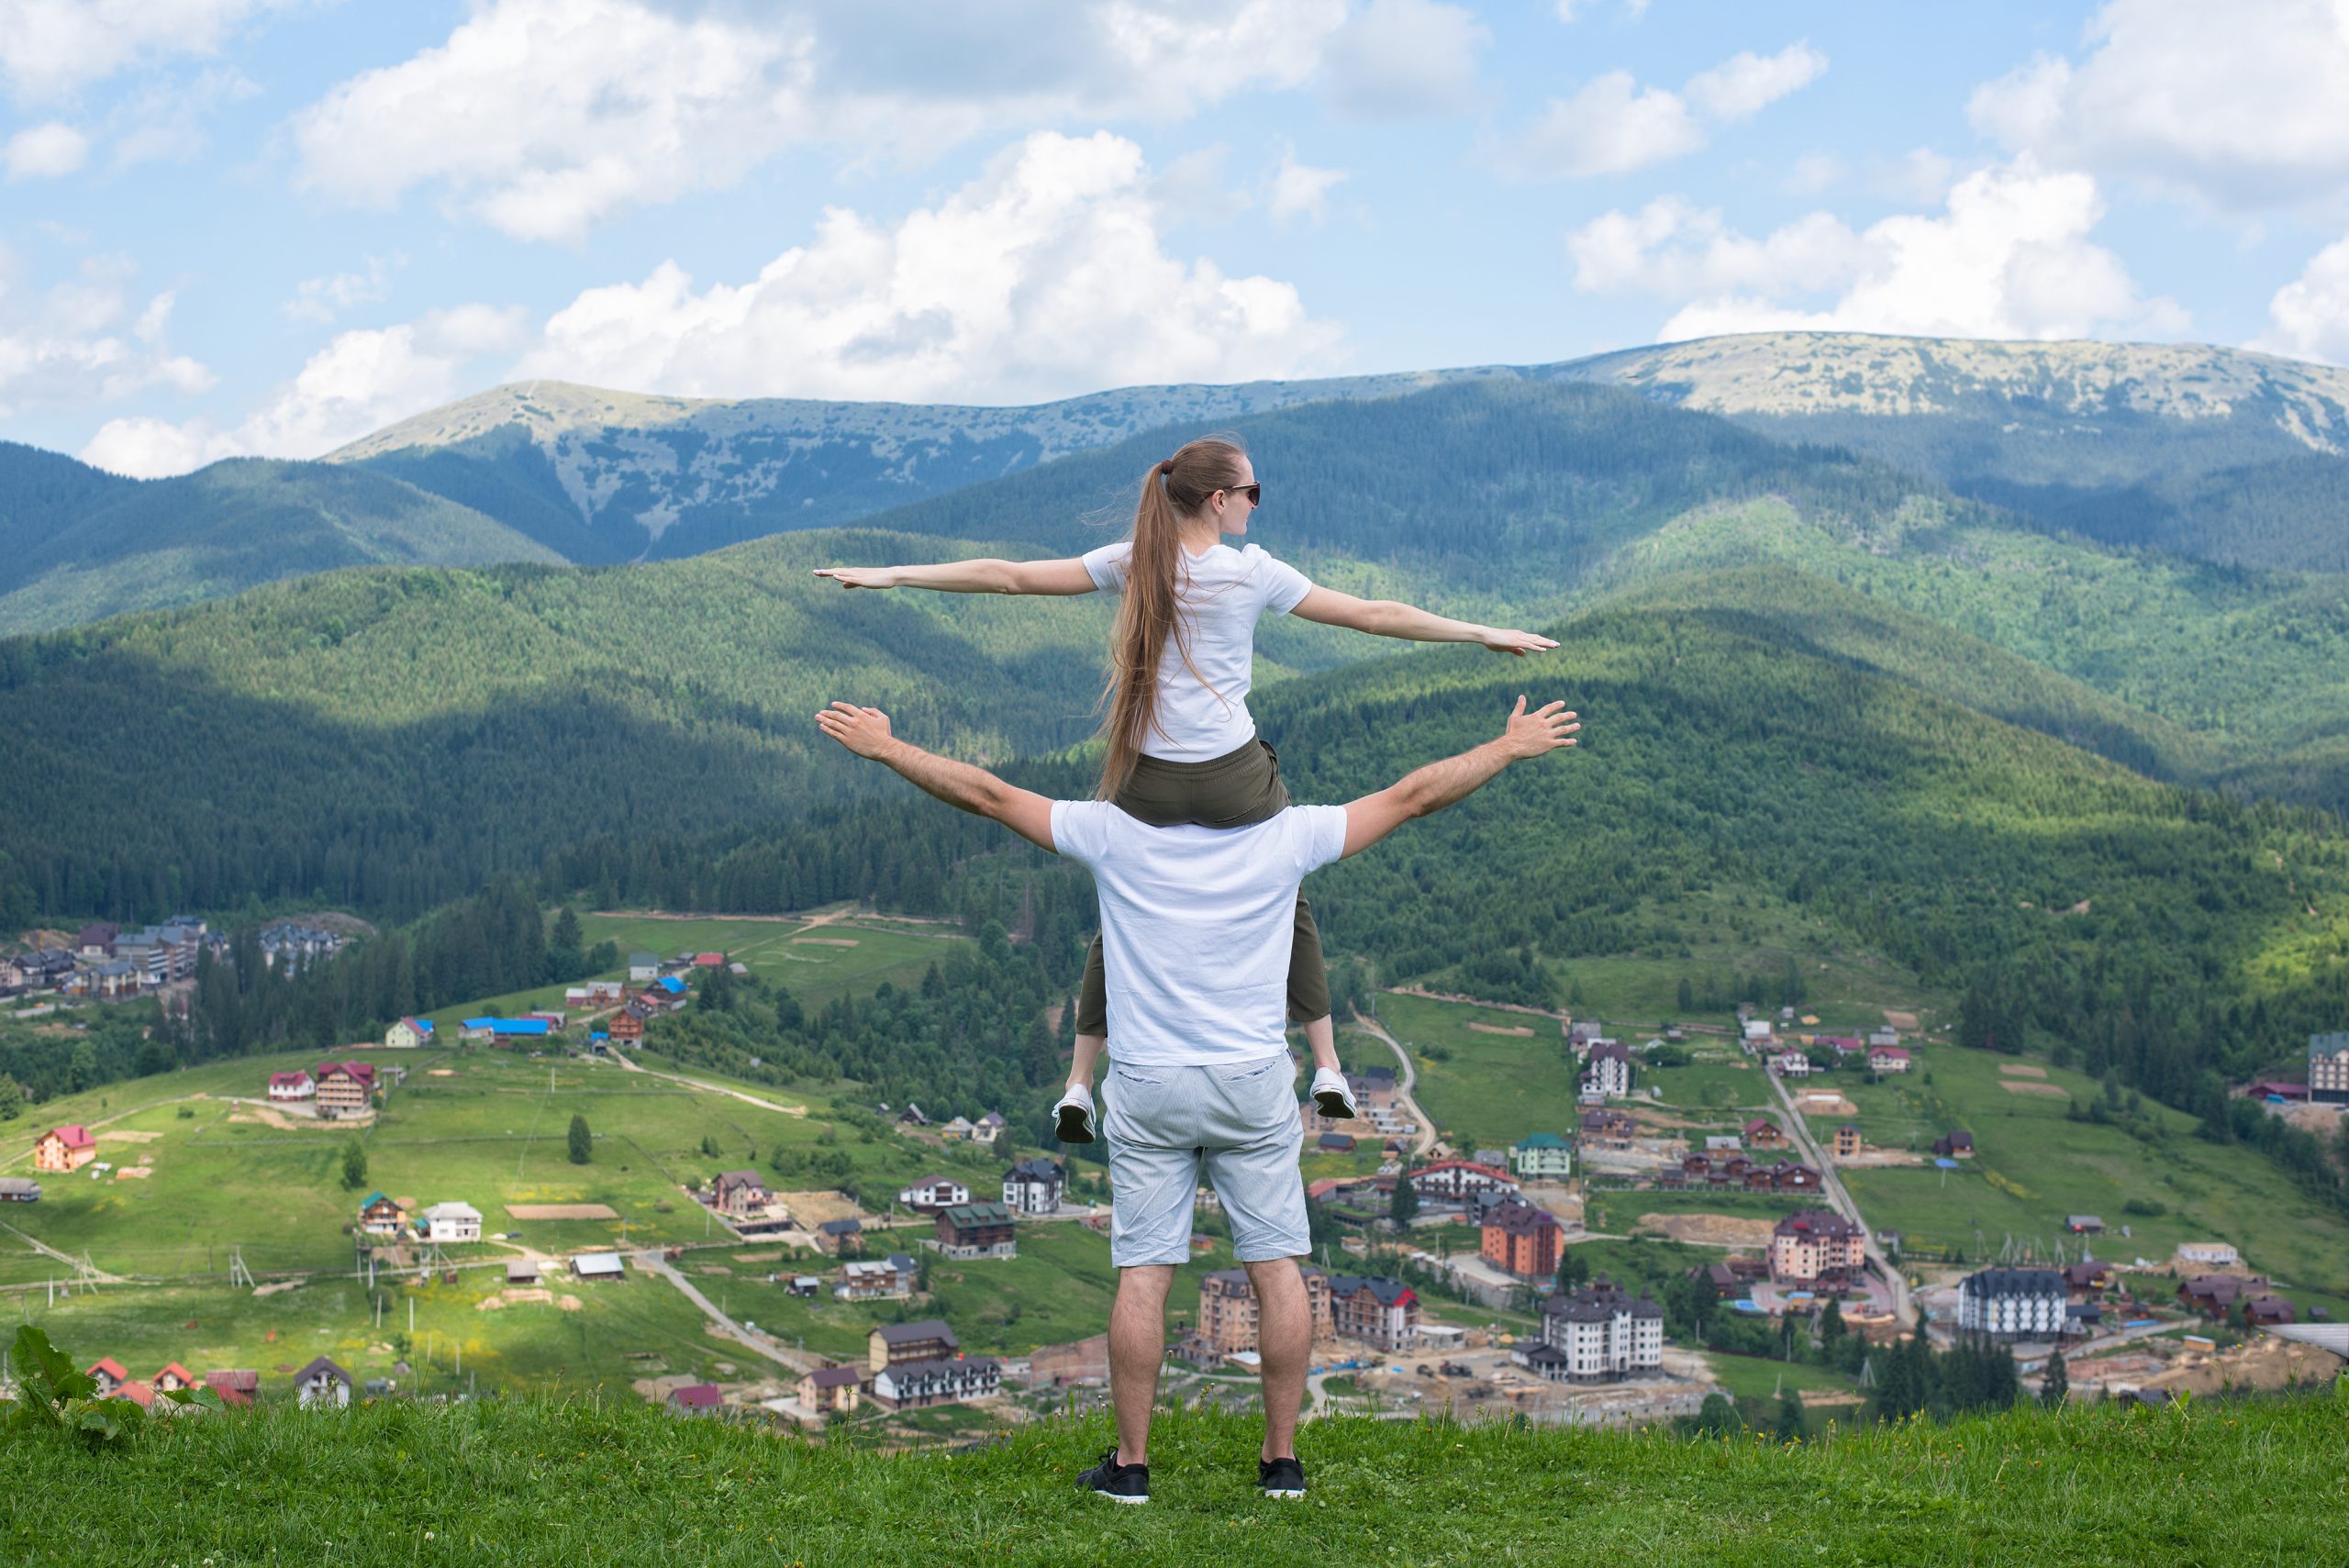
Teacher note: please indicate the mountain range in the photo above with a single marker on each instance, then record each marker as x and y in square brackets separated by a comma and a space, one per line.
[2214, 455]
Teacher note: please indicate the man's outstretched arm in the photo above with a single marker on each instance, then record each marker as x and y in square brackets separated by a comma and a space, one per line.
[1439, 784]
[865, 731]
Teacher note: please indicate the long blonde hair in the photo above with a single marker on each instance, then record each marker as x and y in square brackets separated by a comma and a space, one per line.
[1150, 614]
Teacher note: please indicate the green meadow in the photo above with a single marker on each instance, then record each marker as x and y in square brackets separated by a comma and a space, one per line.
[530, 1482]
[2034, 1167]
[817, 964]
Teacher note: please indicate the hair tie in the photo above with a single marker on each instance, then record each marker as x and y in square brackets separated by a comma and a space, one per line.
[1166, 467]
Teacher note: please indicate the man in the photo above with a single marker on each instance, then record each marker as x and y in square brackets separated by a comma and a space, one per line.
[1195, 927]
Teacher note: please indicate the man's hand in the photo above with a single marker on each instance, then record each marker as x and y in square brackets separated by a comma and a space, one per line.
[865, 730]
[1517, 642]
[861, 577]
[1526, 735]
[1439, 784]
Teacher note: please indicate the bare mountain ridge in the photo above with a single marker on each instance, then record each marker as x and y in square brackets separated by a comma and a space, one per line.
[615, 475]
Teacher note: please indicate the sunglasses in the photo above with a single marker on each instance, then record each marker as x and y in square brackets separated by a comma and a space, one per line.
[1255, 493]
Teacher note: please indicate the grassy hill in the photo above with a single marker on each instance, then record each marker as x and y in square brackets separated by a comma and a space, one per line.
[527, 1482]
[85, 545]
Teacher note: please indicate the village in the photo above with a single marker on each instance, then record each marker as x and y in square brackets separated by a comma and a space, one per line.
[1453, 1279]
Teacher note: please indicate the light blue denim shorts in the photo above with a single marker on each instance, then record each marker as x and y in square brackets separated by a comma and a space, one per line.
[1237, 1125]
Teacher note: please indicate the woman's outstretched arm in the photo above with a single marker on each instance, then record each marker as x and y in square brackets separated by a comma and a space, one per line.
[988, 576]
[1388, 617]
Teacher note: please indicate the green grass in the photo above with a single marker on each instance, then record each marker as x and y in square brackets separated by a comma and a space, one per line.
[527, 1481]
[1493, 1089]
[2034, 1167]
[1754, 1381]
[1619, 1211]
[819, 967]
[1721, 1080]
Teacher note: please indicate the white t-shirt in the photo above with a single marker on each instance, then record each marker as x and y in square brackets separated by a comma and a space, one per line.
[1222, 594]
[1195, 925]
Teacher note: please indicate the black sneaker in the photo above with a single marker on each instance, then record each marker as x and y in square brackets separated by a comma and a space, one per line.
[1075, 1117]
[1280, 1478]
[1123, 1483]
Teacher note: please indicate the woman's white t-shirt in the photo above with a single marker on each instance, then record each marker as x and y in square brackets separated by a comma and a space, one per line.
[1205, 716]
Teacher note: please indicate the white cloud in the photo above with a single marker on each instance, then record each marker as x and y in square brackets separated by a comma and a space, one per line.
[70, 344]
[359, 382]
[45, 152]
[1611, 125]
[1746, 83]
[163, 122]
[2010, 257]
[1043, 277]
[1399, 58]
[1301, 190]
[2309, 318]
[2240, 104]
[51, 48]
[1919, 176]
[323, 299]
[546, 117]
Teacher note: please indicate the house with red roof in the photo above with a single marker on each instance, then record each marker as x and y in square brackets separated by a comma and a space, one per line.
[236, 1386]
[696, 1399]
[344, 1089]
[710, 961]
[294, 1086]
[111, 1374]
[173, 1376]
[64, 1149]
[1888, 1058]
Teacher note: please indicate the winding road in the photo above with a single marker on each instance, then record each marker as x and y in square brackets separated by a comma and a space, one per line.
[1406, 1077]
[725, 1327]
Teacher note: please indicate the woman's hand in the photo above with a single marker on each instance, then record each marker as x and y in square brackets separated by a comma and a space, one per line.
[861, 576]
[1517, 642]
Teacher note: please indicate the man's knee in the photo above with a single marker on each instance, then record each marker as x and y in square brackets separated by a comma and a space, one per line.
[1143, 1283]
[1276, 1278]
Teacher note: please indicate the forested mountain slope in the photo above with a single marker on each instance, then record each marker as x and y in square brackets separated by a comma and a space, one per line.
[2122, 922]
[1521, 499]
[81, 544]
[390, 739]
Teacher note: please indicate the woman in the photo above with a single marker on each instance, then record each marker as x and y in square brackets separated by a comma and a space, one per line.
[1181, 747]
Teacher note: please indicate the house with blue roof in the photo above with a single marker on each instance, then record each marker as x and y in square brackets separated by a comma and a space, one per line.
[500, 1030]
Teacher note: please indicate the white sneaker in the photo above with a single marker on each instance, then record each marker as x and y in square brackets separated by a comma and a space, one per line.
[1075, 1115]
[1333, 1097]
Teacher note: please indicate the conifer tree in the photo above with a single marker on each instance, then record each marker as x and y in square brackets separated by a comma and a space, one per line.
[583, 1142]
[2055, 1383]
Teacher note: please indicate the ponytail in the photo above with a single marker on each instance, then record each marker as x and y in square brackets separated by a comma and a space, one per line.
[1150, 614]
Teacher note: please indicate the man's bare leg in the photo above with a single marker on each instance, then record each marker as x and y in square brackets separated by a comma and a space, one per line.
[1138, 1348]
[1284, 1344]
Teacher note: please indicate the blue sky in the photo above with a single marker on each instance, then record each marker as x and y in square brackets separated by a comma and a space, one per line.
[269, 226]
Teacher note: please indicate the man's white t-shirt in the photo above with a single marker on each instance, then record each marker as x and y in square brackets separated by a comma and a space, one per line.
[1195, 925]
[1205, 716]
